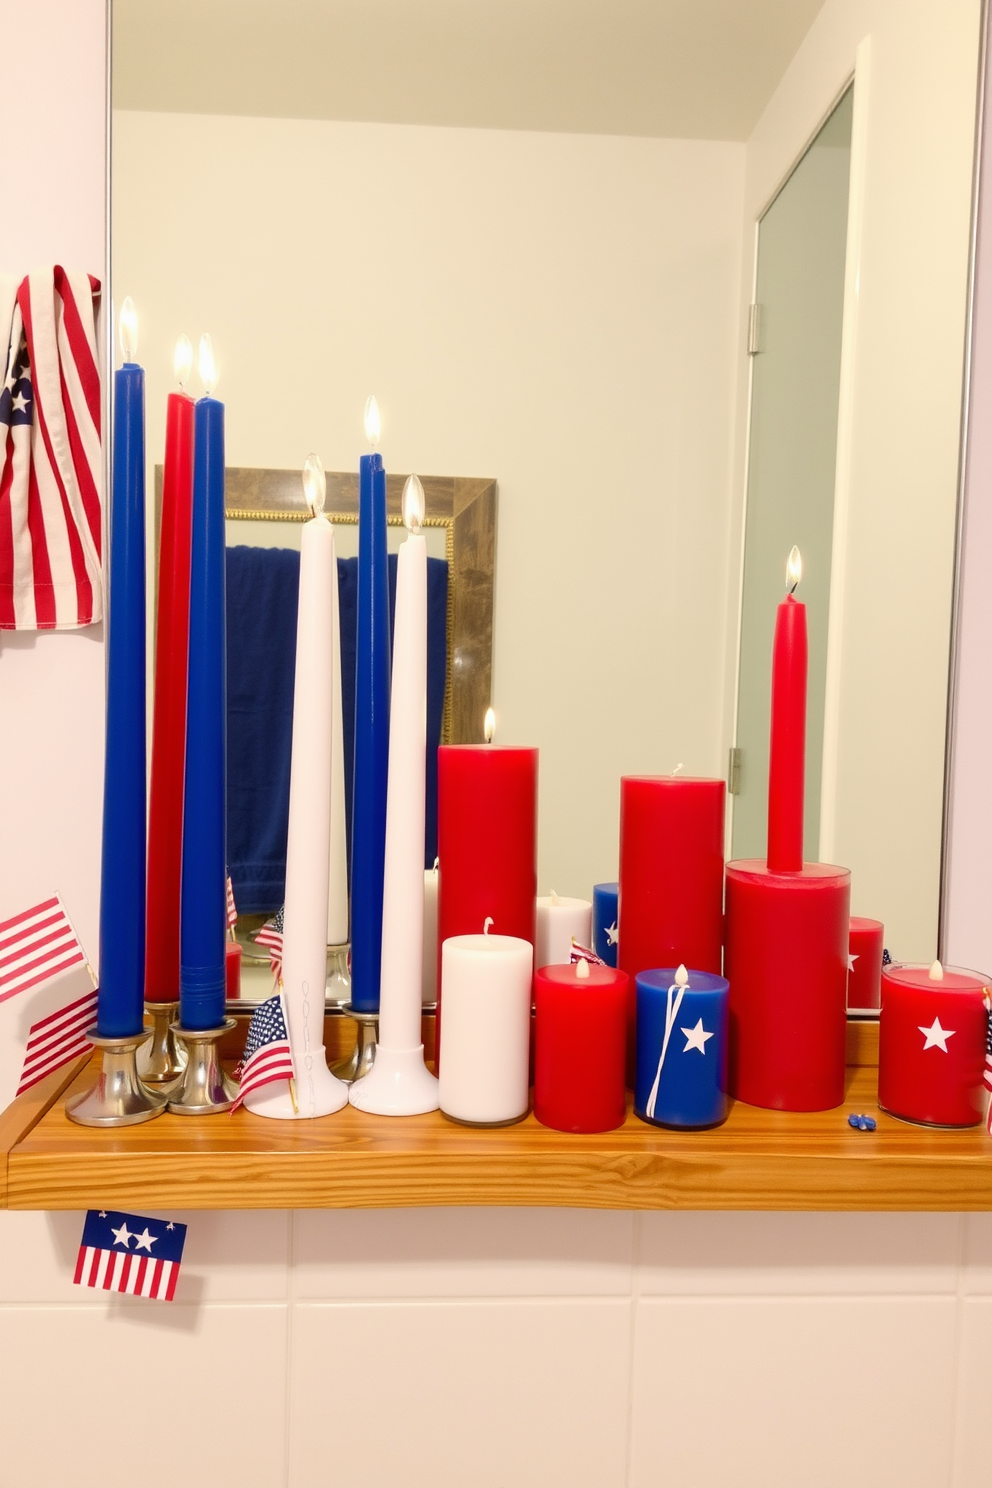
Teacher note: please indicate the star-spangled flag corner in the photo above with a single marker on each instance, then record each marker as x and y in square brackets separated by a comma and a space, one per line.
[130, 1253]
[584, 953]
[267, 1055]
[271, 935]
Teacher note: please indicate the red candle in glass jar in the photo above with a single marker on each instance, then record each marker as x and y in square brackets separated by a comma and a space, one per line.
[932, 1036]
[232, 970]
[165, 813]
[864, 966]
[671, 878]
[580, 1047]
[486, 843]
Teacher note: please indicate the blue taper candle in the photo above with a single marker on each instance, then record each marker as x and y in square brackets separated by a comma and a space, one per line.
[122, 883]
[368, 835]
[203, 909]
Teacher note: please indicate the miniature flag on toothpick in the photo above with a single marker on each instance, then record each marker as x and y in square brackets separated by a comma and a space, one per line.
[35, 945]
[584, 953]
[129, 1253]
[232, 912]
[267, 1055]
[271, 935]
[57, 1039]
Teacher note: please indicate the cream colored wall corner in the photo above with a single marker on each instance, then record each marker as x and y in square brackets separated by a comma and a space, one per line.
[884, 744]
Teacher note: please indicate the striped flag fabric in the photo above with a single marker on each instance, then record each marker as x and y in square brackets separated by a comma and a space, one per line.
[57, 1039]
[130, 1253]
[35, 945]
[584, 953]
[267, 1055]
[271, 935]
[50, 464]
[232, 910]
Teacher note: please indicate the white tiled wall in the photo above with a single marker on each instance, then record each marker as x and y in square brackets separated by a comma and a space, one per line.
[510, 1348]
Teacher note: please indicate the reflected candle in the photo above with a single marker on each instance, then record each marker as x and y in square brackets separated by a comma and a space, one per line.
[864, 966]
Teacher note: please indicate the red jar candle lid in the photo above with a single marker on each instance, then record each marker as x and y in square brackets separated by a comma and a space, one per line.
[933, 1029]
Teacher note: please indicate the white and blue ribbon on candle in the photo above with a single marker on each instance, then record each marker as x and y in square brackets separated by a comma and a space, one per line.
[676, 991]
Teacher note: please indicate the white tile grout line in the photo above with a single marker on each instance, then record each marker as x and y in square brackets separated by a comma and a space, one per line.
[635, 1296]
[290, 1309]
[957, 1404]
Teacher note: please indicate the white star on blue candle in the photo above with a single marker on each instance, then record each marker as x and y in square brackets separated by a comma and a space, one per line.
[935, 1036]
[695, 1038]
[122, 1236]
[612, 934]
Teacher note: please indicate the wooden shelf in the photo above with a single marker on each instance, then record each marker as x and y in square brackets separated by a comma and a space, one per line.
[757, 1160]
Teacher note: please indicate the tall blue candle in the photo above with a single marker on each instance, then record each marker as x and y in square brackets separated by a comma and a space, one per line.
[681, 1047]
[122, 882]
[605, 918]
[203, 907]
[368, 836]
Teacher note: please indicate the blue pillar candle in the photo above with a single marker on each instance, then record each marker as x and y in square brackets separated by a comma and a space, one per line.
[368, 836]
[605, 919]
[120, 1005]
[681, 1047]
[203, 911]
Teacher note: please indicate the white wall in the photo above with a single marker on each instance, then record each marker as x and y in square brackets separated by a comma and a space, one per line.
[556, 311]
[882, 803]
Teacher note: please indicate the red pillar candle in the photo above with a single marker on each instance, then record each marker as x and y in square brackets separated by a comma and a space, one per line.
[787, 745]
[864, 966]
[580, 1047]
[786, 962]
[931, 1044]
[232, 971]
[487, 843]
[165, 815]
[671, 878]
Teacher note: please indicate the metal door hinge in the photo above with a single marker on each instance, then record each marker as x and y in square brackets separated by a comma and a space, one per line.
[734, 773]
[753, 330]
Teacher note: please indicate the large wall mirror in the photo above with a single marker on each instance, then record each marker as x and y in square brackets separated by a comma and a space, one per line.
[535, 233]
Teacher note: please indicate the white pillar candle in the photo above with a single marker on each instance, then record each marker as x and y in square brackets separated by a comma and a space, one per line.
[428, 980]
[337, 878]
[558, 921]
[399, 1083]
[304, 944]
[485, 1027]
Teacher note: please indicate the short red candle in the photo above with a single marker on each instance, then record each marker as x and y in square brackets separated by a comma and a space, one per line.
[580, 1048]
[931, 1045]
[786, 962]
[165, 815]
[487, 843]
[787, 744]
[671, 878]
[232, 970]
[864, 966]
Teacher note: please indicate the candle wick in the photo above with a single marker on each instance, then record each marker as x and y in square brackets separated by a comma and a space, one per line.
[582, 969]
[488, 921]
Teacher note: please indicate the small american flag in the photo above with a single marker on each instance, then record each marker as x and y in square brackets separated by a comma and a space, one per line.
[57, 1039]
[129, 1253]
[232, 912]
[267, 1055]
[584, 953]
[886, 958]
[271, 935]
[35, 945]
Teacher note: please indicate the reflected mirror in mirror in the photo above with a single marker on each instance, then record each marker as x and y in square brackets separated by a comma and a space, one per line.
[535, 239]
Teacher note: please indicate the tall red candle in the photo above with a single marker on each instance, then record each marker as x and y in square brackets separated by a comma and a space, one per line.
[671, 878]
[165, 818]
[580, 1047]
[931, 1044]
[486, 843]
[787, 745]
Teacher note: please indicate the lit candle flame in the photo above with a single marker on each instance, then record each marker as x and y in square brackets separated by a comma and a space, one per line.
[207, 364]
[414, 504]
[936, 972]
[681, 977]
[182, 361]
[373, 423]
[582, 969]
[793, 570]
[127, 327]
[489, 727]
[314, 484]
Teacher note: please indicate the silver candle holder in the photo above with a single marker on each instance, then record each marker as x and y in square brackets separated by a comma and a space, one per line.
[205, 1089]
[119, 1097]
[162, 1058]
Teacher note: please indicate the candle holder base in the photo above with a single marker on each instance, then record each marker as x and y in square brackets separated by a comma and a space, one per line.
[119, 1098]
[398, 1084]
[362, 1057]
[161, 1059]
[317, 1092]
[205, 1089]
[337, 991]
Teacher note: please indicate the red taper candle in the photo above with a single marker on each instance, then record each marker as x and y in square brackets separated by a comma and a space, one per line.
[165, 817]
[580, 1047]
[486, 843]
[932, 1036]
[787, 745]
